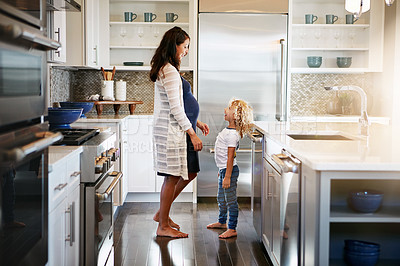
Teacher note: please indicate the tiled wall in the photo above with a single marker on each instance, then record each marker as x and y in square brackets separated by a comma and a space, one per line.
[308, 96]
[78, 85]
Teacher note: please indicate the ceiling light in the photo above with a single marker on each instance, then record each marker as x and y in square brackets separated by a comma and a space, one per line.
[355, 6]
[389, 2]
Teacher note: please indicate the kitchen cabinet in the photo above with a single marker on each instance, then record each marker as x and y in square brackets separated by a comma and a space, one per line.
[139, 146]
[57, 26]
[339, 222]
[141, 175]
[363, 40]
[137, 41]
[64, 205]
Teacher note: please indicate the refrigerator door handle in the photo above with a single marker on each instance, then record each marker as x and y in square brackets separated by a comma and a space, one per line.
[281, 112]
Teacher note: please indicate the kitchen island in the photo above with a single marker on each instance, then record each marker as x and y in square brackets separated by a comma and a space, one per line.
[330, 170]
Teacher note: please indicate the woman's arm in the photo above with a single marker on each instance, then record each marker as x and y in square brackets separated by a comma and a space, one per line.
[226, 182]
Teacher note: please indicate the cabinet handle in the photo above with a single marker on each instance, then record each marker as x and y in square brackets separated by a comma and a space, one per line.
[75, 173]
[58, 52]
[71, 236]
[95, 55]
[61, 186]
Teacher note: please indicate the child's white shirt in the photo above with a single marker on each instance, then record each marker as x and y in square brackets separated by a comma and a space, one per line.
[228, 137]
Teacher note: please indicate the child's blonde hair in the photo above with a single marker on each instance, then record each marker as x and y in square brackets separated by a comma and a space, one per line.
[243, 116]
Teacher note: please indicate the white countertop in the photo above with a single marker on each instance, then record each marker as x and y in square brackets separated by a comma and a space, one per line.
[102, 118]
[379, 152]
[58, 153]
[339, 118]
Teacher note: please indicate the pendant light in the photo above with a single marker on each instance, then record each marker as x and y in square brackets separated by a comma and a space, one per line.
[389, 2]
[358, 6]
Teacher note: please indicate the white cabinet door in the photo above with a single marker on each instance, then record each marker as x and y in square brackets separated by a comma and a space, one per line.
[92, 32]
[72, 228]
[59, 33]
[57, 235]
[140, 173]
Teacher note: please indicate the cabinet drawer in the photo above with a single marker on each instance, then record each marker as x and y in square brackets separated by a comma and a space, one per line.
[57, 185]
[73, 170]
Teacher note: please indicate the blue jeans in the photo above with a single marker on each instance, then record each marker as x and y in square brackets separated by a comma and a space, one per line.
[227, 200]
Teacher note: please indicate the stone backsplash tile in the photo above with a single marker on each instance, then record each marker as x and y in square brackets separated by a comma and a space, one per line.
[60, 84]
[309, 98]
[78, 85]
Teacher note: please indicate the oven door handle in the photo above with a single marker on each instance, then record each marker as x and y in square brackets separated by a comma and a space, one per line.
[107, 193]
[15, 31]
[19, 153]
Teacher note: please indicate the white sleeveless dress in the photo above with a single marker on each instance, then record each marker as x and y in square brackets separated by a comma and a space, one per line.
[170, 124]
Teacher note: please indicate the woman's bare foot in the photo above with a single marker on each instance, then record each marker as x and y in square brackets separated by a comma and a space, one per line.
[216, 225]
[170, 232]
[171, 223]
[228, 233]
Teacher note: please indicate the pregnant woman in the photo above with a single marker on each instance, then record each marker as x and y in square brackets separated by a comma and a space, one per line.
[170, 125]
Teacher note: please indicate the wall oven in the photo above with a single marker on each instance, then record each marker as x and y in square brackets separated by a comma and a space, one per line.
[23, 195]
[23, 71]
[32, 12]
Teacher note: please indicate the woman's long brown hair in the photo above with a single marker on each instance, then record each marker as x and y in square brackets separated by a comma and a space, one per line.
[166, 51]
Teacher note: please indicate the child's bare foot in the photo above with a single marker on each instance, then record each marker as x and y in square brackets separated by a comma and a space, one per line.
[228, 233]
[170, 232]
[171, 223]
[216, 225]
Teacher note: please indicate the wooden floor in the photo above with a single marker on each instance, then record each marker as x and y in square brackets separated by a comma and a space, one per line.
[136, 242]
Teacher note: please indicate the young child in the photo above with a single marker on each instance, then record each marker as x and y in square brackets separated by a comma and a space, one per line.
[240, 117]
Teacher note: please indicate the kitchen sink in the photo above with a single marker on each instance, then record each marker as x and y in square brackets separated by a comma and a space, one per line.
[318, 137]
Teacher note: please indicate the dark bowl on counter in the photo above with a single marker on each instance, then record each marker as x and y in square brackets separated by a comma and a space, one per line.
[87, 106]
[63, 117]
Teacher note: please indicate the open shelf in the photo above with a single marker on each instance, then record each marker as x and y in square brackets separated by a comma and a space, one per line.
[133, 47]
[349, 26]
[328, 70]
[343, 214]
[330, 49]
[120, 23]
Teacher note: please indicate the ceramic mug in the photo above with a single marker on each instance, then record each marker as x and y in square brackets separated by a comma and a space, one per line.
[310, 18]
[130, 16]
[330, 19]
[171, 17]
[350, 19]
[149, 17]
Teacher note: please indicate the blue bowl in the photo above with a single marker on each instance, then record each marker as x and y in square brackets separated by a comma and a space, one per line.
[62, 117]
[361, 259]
[367, 201]
[361, 246]
[87, 106]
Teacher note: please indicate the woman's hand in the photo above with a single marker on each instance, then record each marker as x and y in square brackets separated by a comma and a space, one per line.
[197, 144]
[203, 127]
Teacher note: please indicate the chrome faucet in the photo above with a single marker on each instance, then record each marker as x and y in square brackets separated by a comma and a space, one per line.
[364, 120]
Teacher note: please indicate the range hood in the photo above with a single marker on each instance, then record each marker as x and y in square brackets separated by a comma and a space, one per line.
[60, 5]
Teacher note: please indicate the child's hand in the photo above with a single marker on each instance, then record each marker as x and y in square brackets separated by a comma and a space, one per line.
[226, 182]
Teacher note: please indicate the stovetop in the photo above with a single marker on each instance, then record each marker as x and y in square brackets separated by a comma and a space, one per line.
[76, 136]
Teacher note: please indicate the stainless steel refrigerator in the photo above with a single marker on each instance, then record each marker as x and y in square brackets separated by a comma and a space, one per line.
[240, 55]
